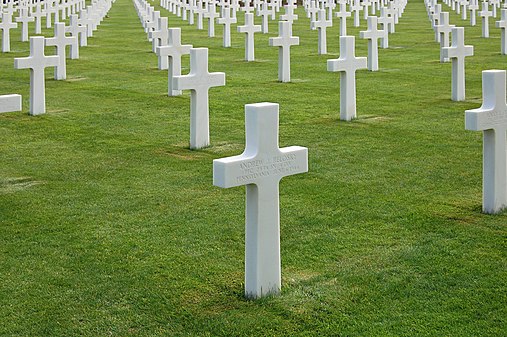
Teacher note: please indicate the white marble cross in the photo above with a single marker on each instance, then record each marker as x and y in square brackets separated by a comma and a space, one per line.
[200, 12]
[6, 25]
[347, 64]
[485, 14]
[261, 167]
[329, 6]
[234, 8]
[443, 30]
[321, 25]
[152, 23]
[343, 14]
[246, 7]
[172, 54]
[249, 29]
[10, 103]
[464, 5]
[24, 18]
[386, 20]
[355, 7]
[211, 14]
[457, 53]
[199, 81]
[284, 41]
[473, 7]
[160, 36]
[36, 62]
[289, 15]
[192, 6]
[38, 14]
[60, 41]
[502, 24]
[372, 35]
[226, 20]
[491, 118]
[265, 12]
[312, 11]
[77, 30]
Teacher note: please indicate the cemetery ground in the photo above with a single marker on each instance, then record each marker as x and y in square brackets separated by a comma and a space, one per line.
[110, 224]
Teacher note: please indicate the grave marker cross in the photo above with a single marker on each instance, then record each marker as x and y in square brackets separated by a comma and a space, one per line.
[491, 118]
[211, 15]
[265, 12]
[261, 167]
[284, 41]
[321, 25]
[24, 18]
[60, 41]
[502, 24]
[347, 64]
[77, 30]
[442, 31]
[289, 14]
[457, 53]
[6, 25]
[249, 29]
[170, 55]
[485, 14]
[343, 14]
[199, 81]
[473, 7]
[372, 34]
[227, 20]
[38, 14]
[10, 103]
[36, 62]
[160, 36]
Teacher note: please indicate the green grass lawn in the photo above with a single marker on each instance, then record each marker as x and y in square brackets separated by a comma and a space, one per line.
[110, 225]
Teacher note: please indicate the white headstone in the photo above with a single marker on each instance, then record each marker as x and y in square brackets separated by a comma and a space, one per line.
[10, 103]
[200, 12]
[249, 29]
[343, 14]
[289, 14]
[386, 20]
[6, 25]
[321, 25]
[347, 64]
[227, 20]
[261, 167]
[211, 15]
[38, 14]
[473, 7]
[172, 54]
[160, 36]
[355, 7]
[457, 53]
[24, 18]
[372, 35]
[443, 30]
[265, 12]
[485, 14]
[199, 81]
[37, 62]
[246, 6]
[60, 41]
[491, 118]
[77, 30]
[284, 41]
[502, 24]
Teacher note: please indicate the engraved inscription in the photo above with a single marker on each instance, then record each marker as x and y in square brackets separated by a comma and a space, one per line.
[495, 118]
[277, 166]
